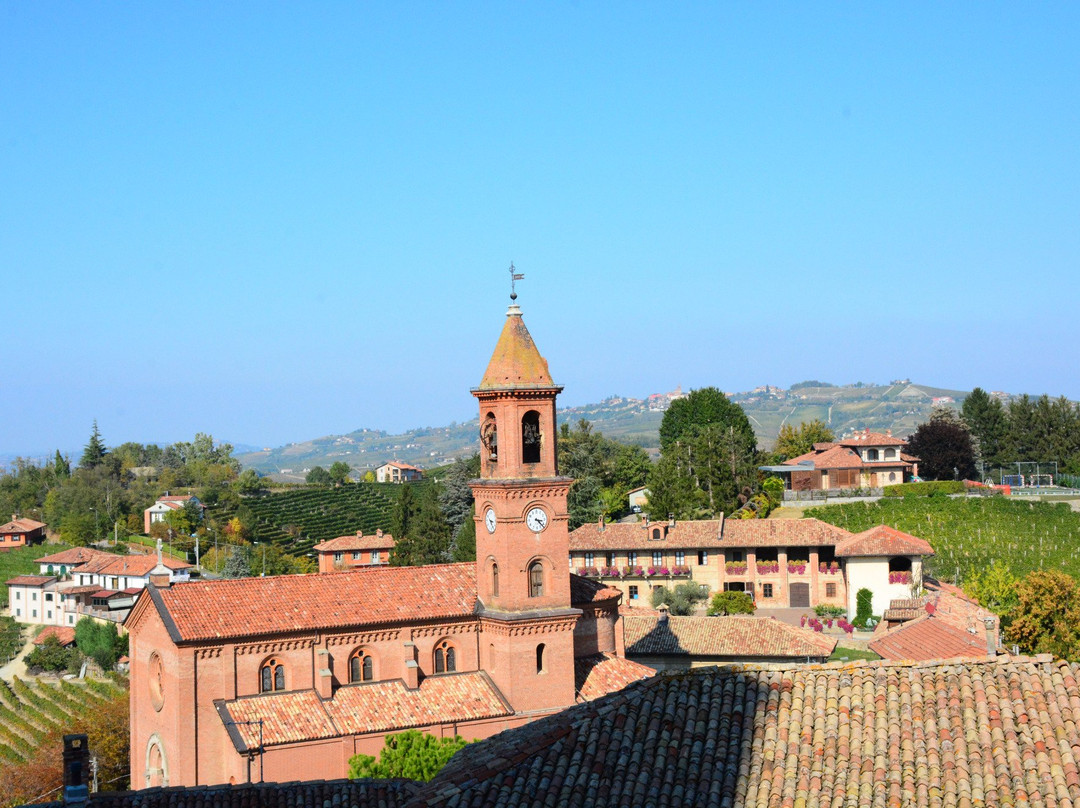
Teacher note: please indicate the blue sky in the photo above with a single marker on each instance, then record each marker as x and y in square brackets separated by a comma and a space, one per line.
[277, 221]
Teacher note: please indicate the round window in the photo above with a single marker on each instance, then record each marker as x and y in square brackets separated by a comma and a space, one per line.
[156, 673]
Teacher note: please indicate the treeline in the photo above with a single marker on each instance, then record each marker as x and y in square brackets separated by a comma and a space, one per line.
[1026, 429]
[110, 488]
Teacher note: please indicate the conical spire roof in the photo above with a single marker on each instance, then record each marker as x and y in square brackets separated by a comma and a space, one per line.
[516, 361]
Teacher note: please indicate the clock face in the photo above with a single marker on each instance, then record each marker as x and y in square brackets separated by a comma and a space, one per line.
[536, 519]
[489, 520]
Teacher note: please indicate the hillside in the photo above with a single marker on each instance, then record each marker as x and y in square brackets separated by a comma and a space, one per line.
[900, 407]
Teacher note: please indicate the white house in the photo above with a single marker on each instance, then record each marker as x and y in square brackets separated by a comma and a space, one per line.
[886, 561]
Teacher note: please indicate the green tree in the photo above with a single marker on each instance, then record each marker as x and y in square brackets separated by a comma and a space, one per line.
[428, 537]
[339, 472]
[724, 603]
[61, 466]
[671, 487]
[78, 529]
[318, 476]
[54, 657]
[985, 418]
[95, 451]
[1046, 617]
[994, 587]
[864, 606]
[237, 565]
[701, 408]
[632, 467]
[465, 541]
[249, 482]
[404, 513]
[100, 642]
[411, 754]
[455, 495]
[795, 441]
[944, 447]
[681, 599]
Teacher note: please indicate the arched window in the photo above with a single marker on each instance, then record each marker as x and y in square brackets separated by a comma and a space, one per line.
[656, 533]
[489, 436]
[49, 569]
[530, 437]
[540, 658]
[361, 666]
[536, 580]
[445, 657]
[890, 454]
[495, 580]
[871, 454]
[272, 676]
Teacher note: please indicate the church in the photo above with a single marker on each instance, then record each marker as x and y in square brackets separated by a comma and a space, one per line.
[285, 678]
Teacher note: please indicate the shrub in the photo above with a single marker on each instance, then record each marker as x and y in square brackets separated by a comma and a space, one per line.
[52, 656]
[731, 603]
[774, 489]
[682, 599]
[864, 611]
[925, 489]
[828, 610]
[412, 754]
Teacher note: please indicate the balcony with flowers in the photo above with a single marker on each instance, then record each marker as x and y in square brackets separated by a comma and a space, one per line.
[900, 577]
[735, 568]
[797, 566]
[829, 567]
[768, 567]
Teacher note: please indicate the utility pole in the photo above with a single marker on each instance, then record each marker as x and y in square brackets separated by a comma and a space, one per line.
[196, 535]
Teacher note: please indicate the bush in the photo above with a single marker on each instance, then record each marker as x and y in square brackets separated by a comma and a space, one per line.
[52, 656]
[828, 610]
[100, 642]
[412, 754]
[927, 489]
[864, 611]
[774, 489]
[731, 603]
[682, 599]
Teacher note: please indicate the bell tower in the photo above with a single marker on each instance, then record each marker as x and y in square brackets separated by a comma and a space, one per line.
[522, 535]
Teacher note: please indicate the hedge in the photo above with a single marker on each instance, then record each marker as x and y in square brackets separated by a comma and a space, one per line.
[926, 489]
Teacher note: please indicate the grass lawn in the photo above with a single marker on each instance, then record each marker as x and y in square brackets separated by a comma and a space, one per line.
[851, 654]
[22, 561]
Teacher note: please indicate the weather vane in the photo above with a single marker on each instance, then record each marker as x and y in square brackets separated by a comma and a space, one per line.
[514, 276]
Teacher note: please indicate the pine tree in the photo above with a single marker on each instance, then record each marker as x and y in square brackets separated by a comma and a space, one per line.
[61, 466]
[404, 513]
[428, 537]
[95, 450]
[465, 541]
[237, 565]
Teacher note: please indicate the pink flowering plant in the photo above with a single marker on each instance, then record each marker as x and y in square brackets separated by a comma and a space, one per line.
[680, 570]
[900, 577]
[796, 567]
[831, 568]
[768, 567]
[736, 568]
[610, 572]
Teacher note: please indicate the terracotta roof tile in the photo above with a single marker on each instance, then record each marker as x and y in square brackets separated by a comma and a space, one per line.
[203, 610]
[31, 580]
[21, 526]
[929, 637]
[516, 361]
[65, 634]
[586, 590]
[135, 565]
[966, 732]
[883, 540]
[446, 698]
[866, 438]
[286, 717]
[706, 534]
[72, 556]
[600, 674]
[315, 793]
[740, 637]
[371, 541]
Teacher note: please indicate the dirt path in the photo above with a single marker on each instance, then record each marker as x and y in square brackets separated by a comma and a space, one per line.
[17, 667]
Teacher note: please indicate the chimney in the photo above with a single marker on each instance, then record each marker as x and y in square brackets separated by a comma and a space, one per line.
[76, 770]
[888, 433]
[720, 530]
[671, 520]
[991, 637]
[663, 608]
[646, 520]
[600, 524]
[359, 534]
[412, 670]
[378, 533]
[324, 680]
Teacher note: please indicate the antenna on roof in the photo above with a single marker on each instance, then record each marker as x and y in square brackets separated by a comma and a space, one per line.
[514, 276]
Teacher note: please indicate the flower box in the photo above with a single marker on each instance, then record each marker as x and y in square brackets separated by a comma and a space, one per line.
[900, 577]
[658, 571]
[736, 568]
[627, 571]
[796, 567]
[768, 567]
[832, 568]
[683, 571]
[610, 572]
[588, 572]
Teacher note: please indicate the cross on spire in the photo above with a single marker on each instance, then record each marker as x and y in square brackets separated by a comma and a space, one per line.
[514, 276]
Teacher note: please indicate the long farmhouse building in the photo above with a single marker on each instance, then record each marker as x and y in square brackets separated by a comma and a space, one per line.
[782, 563]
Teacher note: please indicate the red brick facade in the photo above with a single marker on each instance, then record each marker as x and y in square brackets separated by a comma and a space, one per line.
[285, 678]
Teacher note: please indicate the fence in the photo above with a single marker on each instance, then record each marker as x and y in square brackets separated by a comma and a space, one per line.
[832, 493]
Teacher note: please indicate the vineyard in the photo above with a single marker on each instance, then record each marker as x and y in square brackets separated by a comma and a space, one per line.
[297, 520]
[968, 534]
[34, 716]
